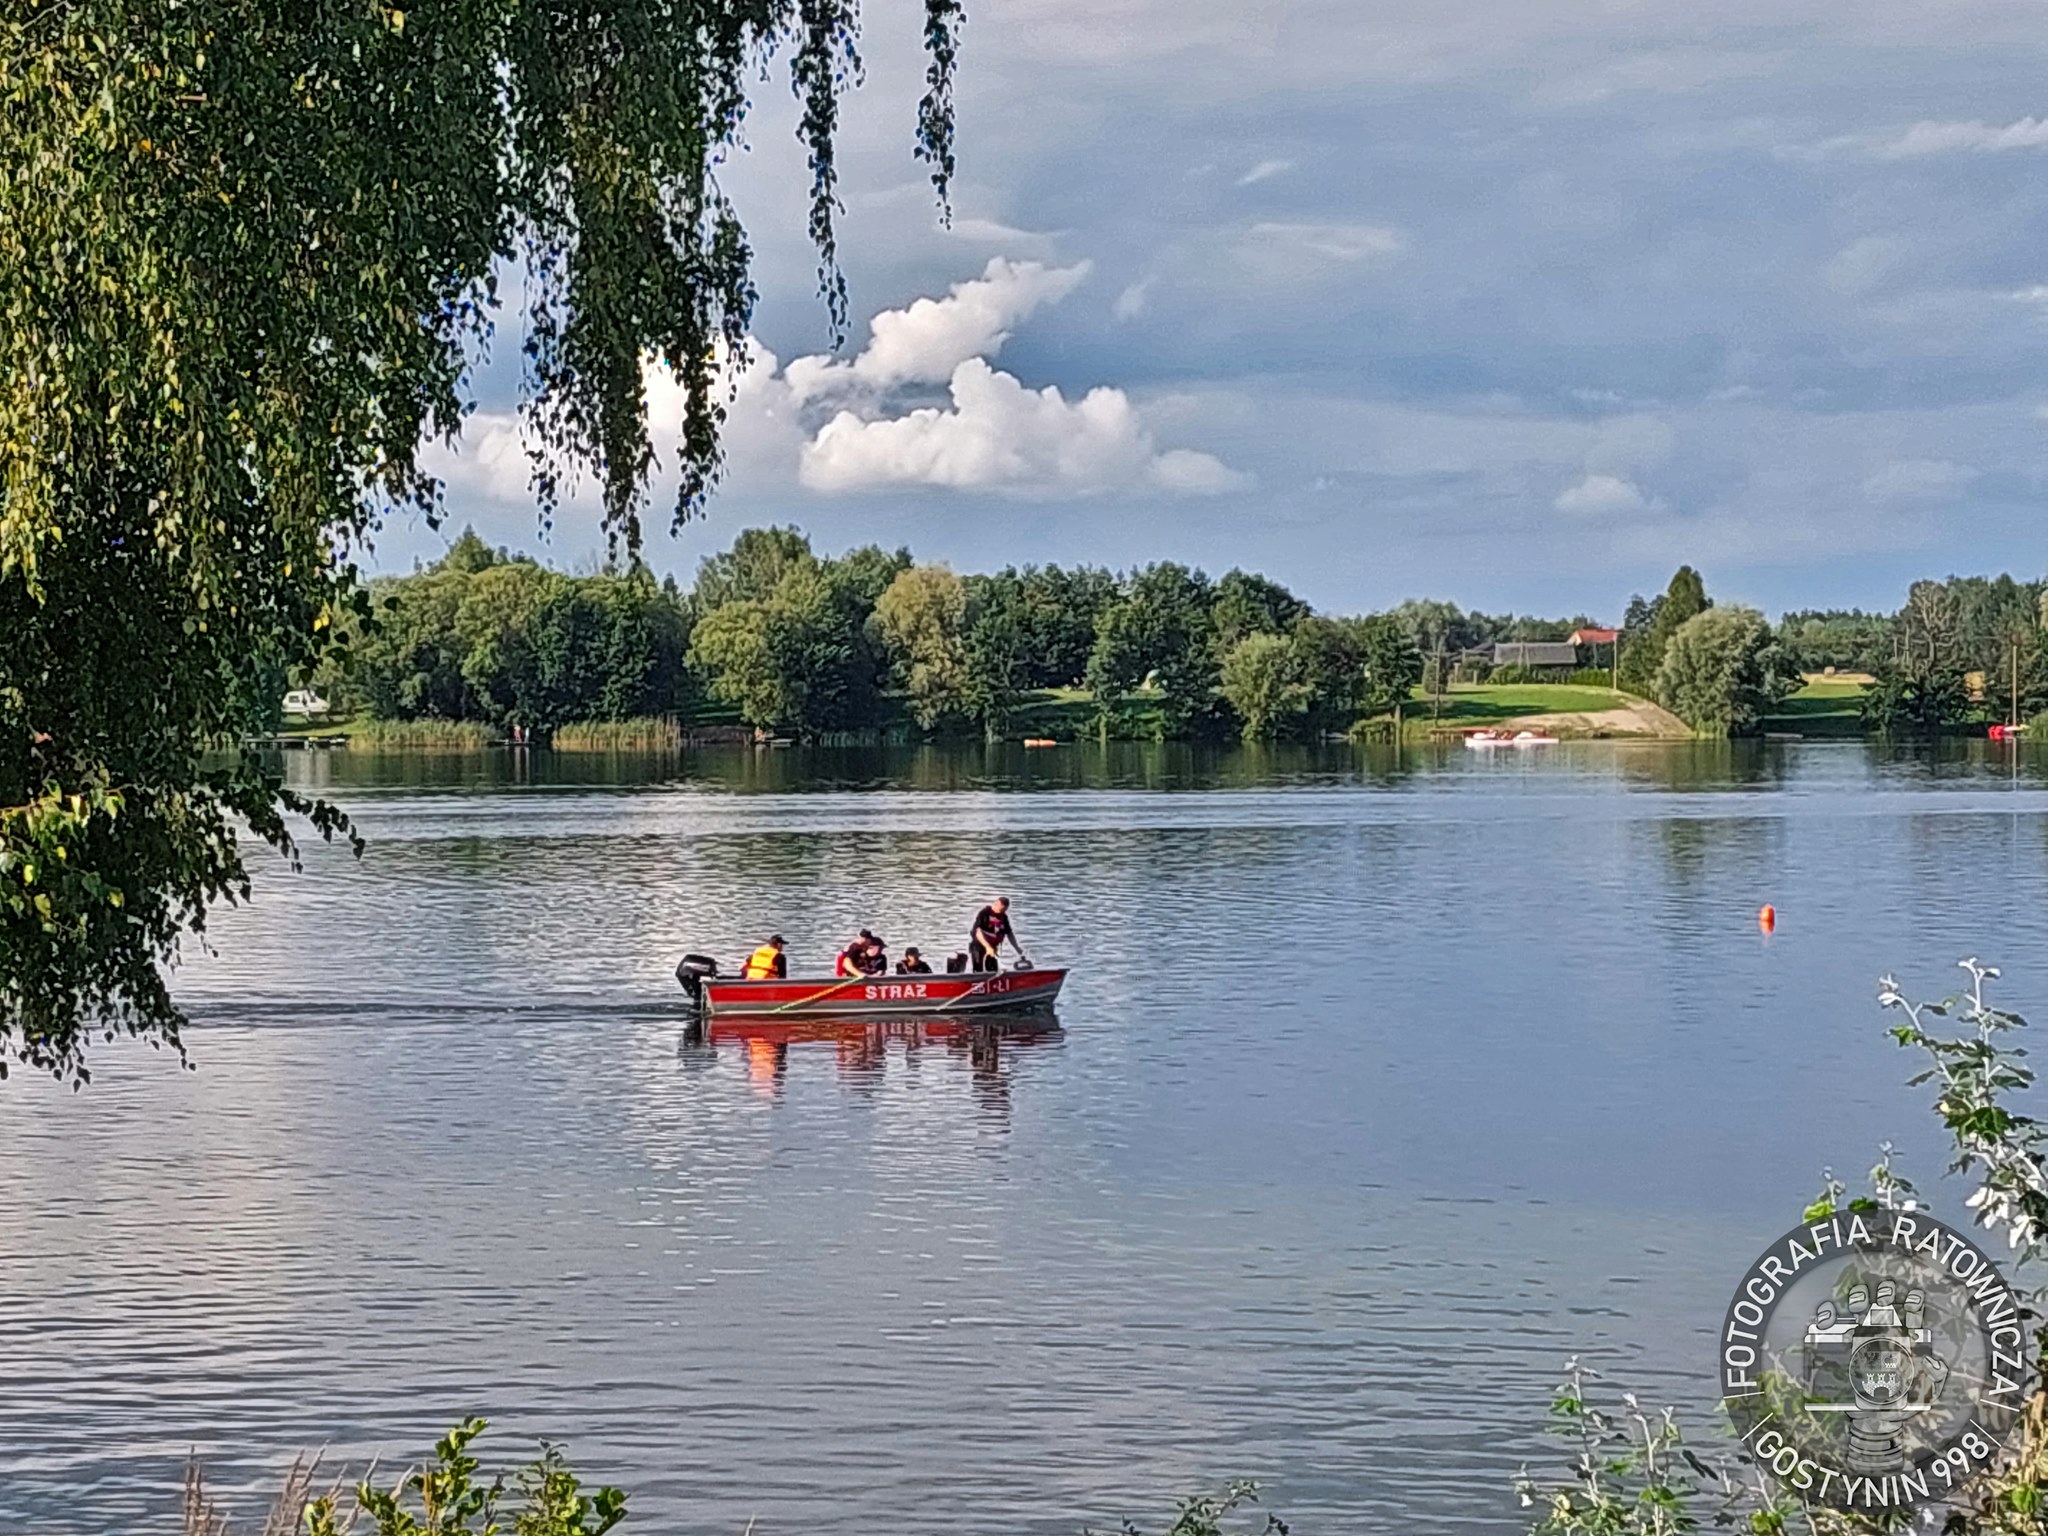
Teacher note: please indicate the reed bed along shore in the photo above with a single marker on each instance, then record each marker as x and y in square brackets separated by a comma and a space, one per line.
[419, 735]
[647, 733]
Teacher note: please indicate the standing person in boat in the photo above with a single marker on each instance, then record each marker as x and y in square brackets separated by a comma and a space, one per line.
[768, 963]
[991, 930]
[912, 964]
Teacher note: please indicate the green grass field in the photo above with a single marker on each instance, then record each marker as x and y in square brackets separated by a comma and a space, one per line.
[1824, 707]
[1470, 704]
[1069, 713]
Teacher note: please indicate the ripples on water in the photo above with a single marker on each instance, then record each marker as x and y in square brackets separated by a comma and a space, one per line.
[1379, 1089]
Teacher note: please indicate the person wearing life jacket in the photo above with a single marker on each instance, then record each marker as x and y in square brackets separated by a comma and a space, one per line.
[768, 963]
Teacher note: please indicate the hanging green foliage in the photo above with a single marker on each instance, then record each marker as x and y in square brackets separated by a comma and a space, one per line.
[247, 252]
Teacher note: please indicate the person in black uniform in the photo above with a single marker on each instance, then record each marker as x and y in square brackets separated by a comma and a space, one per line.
[865, 956]
[912, 964]
[991, 931]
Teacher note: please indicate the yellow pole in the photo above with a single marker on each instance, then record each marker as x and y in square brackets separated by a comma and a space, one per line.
[837, 986]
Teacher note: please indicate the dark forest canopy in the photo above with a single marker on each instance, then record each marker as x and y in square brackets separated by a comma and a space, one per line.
[247, 252]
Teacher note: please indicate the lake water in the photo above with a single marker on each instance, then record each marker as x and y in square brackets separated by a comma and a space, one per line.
[1381, 1086]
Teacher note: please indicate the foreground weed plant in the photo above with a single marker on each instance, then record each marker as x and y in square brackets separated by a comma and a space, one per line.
[1209, 1514]
[446, 1496]
[1633, 1474]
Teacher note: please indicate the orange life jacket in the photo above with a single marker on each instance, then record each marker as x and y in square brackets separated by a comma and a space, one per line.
[761, 964]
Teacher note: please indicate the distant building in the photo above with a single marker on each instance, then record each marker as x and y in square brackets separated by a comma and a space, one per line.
[305, 704]
[1559, 656]
[1595, 636]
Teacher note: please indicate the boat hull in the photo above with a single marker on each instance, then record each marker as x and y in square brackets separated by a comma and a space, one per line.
[885, 996]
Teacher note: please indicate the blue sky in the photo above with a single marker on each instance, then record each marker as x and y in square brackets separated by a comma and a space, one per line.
[1519, 304]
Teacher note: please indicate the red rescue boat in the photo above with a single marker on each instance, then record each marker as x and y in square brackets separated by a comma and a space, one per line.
[1020, 991]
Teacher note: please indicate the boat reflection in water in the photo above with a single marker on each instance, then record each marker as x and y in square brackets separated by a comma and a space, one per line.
[863, 1045]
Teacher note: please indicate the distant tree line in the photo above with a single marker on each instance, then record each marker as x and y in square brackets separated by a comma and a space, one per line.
[1961, 650]
[1958, 652]
[778, 637]
[783, 639]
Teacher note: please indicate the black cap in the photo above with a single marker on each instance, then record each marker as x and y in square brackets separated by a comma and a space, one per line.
[775, 939]
[910, 950]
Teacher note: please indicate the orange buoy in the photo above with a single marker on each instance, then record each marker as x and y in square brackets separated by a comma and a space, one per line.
[1767, 918]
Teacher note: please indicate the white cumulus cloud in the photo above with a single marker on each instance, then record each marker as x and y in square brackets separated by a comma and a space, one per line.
[866, 424]
[1603, 496]
[997, 435]
[1193, 474]
[924, 342]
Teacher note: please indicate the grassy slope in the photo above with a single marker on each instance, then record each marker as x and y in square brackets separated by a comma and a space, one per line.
[1069, 713]
[1824, 707]
[1485, 704]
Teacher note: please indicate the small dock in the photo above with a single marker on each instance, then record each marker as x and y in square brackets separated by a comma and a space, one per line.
[297, 743]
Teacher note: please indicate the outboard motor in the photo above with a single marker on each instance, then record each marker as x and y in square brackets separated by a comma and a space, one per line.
[691, 972]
